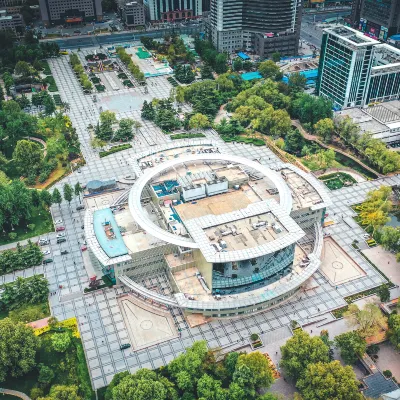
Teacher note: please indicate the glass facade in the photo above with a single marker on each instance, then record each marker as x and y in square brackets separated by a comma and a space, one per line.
[240, 276]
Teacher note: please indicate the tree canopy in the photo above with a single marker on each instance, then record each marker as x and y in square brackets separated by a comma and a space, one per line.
[18, 346]
[322, 381]
[352, 345]
[302, 350]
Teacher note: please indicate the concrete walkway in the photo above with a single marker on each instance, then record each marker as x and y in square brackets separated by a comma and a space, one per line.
[15, 393]
[42, 142]
[314, 138]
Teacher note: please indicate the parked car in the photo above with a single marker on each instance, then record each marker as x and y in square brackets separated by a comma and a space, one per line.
[81, 207]
[61, 240]
[60, 235]
[43, 242]
[125, 346]
[58, 221]
[47, 261]
[84, 248]
[46, 252]
[64, 252]
[60, 228]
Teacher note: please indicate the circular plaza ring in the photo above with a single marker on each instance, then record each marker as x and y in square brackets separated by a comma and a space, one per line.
[337, 265]
[136, 209]
[146, 324]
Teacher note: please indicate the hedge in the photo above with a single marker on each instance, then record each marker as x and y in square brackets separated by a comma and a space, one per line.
[115, 149]
[187, 136]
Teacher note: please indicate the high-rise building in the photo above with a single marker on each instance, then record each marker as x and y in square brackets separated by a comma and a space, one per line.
[133, 14]
[262, 26]
[173, 10]
[70, 11]
[379, 19]
[356, 70]
[12, 22]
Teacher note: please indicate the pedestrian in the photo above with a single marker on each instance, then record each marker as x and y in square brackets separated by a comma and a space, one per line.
[311, 330]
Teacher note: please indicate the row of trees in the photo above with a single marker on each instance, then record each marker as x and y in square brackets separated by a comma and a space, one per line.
[132, 67]
[20, 258]
[196, 375]
[68, 193]
[373, 150]
[22, 291]
[80, 71]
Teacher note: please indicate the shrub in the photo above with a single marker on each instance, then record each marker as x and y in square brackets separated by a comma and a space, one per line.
[387, 373]
[254, 337]
[115, 149]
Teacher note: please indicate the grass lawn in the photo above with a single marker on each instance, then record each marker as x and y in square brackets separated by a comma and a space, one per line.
[55, 176]
[337, 180]
[28, 312]
[43, 224]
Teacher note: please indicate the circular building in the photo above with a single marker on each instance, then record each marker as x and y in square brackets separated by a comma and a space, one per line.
[212, 233]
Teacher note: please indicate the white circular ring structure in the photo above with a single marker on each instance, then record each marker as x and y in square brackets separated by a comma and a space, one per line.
[285, 197]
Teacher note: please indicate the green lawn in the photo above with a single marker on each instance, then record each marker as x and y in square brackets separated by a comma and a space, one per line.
[28, 312]
[43, 224]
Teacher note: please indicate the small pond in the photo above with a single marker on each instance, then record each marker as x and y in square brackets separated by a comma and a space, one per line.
[394, 219]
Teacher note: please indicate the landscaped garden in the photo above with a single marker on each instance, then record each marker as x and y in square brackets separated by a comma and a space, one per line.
[337, 180]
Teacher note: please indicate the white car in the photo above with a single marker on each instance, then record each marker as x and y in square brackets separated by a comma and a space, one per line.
[366, 236]
[60, 235]
[58, 221]
[46, 252]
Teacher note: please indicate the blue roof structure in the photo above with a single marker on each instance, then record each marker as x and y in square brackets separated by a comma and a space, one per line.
[311, 75]
[112, 246]
[243, 56]
[249, 76]
[378, 385]
[395, 37]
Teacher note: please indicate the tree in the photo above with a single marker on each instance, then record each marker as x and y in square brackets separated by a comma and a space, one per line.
[56, 197]
[297, 82]
[148, 111]
[210, 388]
[206, 72]
[322, 381]
[23, 68]
[78, 189]
[352, 345]
[63, 392]
[389, 238]
[23, 101]
[252, 372]
[46, 374]
[142, 385]
[18, 346]
[61, 341]
[368, 321]
[324, 128]
[394, 330]
[67, 189]
[247, 65]
[237, 64]
[276, 57]
[124, 133]
[384, 293]
[302, 350]
[310, 109]
[108, 117]
[268, 69]
[199, 121]
[184, 73]
[294, 141]
[45, 196]
[221, 65]
[49, 105]
[28, 155]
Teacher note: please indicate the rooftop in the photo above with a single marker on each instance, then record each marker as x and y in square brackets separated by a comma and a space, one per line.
[351, 36]
[108, 233]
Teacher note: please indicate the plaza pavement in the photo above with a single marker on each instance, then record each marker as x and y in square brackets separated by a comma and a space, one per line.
[99, 317]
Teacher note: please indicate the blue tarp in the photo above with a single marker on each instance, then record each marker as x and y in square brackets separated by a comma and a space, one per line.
[243, 56]
[395, 37]
[249, 76]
